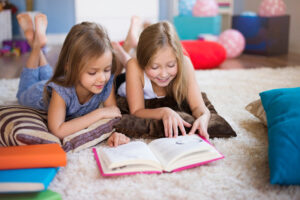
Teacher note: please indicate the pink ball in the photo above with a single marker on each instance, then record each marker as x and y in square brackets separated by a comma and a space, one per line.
[269, 8]
[233, 41]
[205, 8]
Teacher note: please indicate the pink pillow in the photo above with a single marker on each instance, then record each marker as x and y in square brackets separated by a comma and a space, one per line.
[204, 54]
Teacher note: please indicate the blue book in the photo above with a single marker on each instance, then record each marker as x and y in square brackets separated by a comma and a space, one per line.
[26, 180]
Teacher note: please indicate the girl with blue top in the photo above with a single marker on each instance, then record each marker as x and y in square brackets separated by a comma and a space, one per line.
[80, 91]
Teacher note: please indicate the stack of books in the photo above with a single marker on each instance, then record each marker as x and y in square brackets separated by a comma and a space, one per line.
[26, 171]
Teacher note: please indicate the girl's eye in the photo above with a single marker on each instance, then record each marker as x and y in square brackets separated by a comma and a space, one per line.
[172, 65]
[107, 70]
[154, 67]
[91, 73]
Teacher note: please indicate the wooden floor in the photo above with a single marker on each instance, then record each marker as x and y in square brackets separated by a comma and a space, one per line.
[246, 61]
[11, 66]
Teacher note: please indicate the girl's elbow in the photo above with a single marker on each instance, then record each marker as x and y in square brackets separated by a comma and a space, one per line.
[60, 136]
[134, 112]
[58, 133]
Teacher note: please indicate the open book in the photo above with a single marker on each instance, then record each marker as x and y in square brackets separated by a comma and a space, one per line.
[160, 155]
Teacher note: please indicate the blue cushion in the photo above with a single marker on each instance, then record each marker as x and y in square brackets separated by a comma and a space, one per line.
[282, 108]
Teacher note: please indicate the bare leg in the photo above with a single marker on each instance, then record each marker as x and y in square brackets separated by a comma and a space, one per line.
[120, 53]
[43, 60]
[26, 25]
[34, 57]
[133, 34]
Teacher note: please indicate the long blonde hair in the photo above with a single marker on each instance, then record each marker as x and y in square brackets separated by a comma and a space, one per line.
[153, 38]
[84, 42]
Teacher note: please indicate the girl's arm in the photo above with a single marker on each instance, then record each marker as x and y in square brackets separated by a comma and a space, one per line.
[135, 92]
[135, 98]
[111, 100]
[196, 103]
[115, 138]
[57, 114]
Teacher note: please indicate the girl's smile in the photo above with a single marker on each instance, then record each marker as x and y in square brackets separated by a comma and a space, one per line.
[100, 87]
[163, 80]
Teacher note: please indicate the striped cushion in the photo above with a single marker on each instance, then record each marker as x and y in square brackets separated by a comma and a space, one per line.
[20, 125]
[90, 136]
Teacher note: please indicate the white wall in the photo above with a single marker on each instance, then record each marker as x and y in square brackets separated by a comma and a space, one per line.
[115, 15]
[293, 7]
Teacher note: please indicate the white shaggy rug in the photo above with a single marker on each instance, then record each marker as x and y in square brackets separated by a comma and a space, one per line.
[243, 174]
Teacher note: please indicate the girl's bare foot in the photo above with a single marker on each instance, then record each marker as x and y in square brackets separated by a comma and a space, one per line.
[40, 28]
[120, 53]
[146, 24]
[132, 37]
[26, 25]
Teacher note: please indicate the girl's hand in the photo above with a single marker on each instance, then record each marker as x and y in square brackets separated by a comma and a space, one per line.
[172, 121]
[200, 124]
[110, 112]
[117, 139]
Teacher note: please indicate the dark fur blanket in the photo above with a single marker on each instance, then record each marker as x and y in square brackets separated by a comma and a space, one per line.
[136, 127]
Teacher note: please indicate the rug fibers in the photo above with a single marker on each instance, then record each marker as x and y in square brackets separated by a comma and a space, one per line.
[243, 174]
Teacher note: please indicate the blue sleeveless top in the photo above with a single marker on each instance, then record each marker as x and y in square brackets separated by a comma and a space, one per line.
[73, 107]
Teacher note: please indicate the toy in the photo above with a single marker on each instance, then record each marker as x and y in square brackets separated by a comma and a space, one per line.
[233, 42]
[20, 44]
[205, 8]
[270, 8]
[16, 52]
[185, 7]
[5, 50]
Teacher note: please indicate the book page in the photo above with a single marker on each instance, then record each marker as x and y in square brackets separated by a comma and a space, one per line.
[189, 148]
[135, 153]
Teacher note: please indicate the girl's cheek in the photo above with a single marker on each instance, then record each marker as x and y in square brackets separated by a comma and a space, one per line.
[174, 71]
[151, 73]
[108, 74]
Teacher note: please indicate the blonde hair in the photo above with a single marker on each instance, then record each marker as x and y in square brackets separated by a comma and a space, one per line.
[84, 42]
[155, 37]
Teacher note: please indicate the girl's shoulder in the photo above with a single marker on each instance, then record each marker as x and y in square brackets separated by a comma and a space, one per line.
[134, 65]
[134, 70]
[58, 87]
[67, 93]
